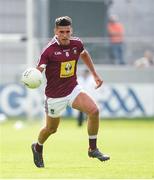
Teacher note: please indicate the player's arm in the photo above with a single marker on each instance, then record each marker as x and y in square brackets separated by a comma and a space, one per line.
[41, 69]
[86, 58]
[43, 61]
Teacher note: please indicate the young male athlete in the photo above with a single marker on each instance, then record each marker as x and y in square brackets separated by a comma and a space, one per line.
[59, 59]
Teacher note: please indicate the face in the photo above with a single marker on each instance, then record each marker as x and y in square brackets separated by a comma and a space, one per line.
[63, 34]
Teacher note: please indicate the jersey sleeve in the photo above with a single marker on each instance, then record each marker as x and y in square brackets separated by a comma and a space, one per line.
[81, 46]
[43, 59]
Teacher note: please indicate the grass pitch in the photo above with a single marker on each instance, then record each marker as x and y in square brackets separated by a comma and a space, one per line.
[130, 143]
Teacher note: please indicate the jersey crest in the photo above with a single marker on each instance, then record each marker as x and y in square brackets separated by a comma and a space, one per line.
[67, 69]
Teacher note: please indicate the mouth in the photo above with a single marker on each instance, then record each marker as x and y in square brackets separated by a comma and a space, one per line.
[65, 41]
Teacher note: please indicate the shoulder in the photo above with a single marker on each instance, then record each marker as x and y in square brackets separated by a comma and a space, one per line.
[49, 47]
[77, 41]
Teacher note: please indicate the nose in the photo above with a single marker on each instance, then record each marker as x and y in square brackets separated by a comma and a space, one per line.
[65, 35]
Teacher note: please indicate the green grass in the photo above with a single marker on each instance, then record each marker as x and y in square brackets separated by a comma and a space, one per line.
[130, 143]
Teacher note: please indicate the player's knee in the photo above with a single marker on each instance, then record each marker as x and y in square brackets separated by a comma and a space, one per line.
[94, 111]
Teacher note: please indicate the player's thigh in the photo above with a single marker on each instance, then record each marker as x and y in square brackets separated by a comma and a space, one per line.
[52, 123]
[85, 103]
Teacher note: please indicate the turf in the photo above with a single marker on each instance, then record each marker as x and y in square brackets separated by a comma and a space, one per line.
[130, 143]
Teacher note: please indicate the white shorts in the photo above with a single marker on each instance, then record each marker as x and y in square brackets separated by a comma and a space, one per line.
[54, 107]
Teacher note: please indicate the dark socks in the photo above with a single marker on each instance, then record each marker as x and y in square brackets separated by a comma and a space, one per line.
[39, 148]
[92, 144]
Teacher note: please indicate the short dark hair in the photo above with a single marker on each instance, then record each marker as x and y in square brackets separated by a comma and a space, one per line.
[63, 21]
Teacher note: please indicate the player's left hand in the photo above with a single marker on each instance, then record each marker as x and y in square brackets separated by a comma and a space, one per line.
[98, 81]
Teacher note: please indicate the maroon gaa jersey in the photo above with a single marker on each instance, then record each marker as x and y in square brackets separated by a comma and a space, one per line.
[60, 63]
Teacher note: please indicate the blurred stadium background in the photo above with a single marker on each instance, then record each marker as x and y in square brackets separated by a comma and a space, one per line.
[28, 25]
[127, 95]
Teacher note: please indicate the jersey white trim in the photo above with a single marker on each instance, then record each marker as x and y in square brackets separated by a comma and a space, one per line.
[43, 66]
[75, 38]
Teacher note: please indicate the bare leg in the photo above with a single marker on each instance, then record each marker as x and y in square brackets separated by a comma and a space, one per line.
[85, 104]
[37, 148]
[50, 128]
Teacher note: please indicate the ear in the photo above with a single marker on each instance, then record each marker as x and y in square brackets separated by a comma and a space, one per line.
[71, 31]
[55, 31]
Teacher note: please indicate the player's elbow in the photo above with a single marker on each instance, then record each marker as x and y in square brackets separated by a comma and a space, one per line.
[84, 54]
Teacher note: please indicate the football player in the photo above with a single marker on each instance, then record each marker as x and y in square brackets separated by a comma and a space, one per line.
[59, 60]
